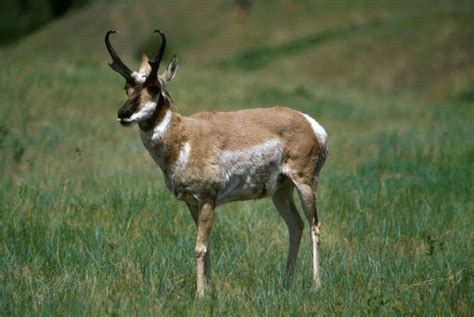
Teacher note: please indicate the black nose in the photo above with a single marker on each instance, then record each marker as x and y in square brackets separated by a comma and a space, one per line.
[123, 113]
[127, 110]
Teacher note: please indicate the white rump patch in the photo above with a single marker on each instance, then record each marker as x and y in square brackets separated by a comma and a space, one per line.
[144, 113]
[319, 131]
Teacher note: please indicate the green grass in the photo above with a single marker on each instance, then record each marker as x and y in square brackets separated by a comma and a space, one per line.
[88, 228]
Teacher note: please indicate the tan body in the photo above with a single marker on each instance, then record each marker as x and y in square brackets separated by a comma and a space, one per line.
[212, 158]
[280, 141]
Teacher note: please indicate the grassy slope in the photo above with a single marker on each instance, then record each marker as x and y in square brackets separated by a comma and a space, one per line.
[87, 228]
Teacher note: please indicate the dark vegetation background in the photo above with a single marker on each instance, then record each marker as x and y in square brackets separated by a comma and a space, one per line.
[20, 17]
[88, 228]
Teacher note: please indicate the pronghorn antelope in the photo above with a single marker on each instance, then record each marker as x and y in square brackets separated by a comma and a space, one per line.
[212, 158]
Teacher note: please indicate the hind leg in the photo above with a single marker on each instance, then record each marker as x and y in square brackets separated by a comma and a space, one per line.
[284, 203]
[308, 201]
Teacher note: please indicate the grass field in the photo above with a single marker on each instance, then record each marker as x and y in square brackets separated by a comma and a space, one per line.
[88, 228]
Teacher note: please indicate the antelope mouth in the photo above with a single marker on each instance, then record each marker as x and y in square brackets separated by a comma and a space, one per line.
[125, 122]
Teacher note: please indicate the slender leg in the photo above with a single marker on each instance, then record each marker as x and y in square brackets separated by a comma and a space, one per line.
[308, 201]
[207, 257]
[204, 224]
[283, 200]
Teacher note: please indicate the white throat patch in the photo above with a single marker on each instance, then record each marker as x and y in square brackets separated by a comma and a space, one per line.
[160, 130]
[155, 136]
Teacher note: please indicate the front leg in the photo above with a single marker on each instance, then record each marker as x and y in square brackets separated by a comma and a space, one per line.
[194, 210]
[204, 226]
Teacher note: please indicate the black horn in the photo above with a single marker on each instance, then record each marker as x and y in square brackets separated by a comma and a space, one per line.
[117, 63]
[156, 63]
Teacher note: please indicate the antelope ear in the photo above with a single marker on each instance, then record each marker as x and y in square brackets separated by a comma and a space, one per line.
[170, 72]
[145, 67]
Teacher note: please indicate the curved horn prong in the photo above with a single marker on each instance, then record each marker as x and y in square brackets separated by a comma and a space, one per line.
[156, 63]
[117, 63]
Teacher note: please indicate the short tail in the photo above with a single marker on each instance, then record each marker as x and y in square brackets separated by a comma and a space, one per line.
[322, 157]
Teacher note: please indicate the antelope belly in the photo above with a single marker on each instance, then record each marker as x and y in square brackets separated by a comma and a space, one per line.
[250, 173]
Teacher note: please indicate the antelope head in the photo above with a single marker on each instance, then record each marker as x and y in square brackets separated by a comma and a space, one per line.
[145, 89]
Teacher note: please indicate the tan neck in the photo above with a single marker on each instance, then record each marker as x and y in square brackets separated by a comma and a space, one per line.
[165, 133]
